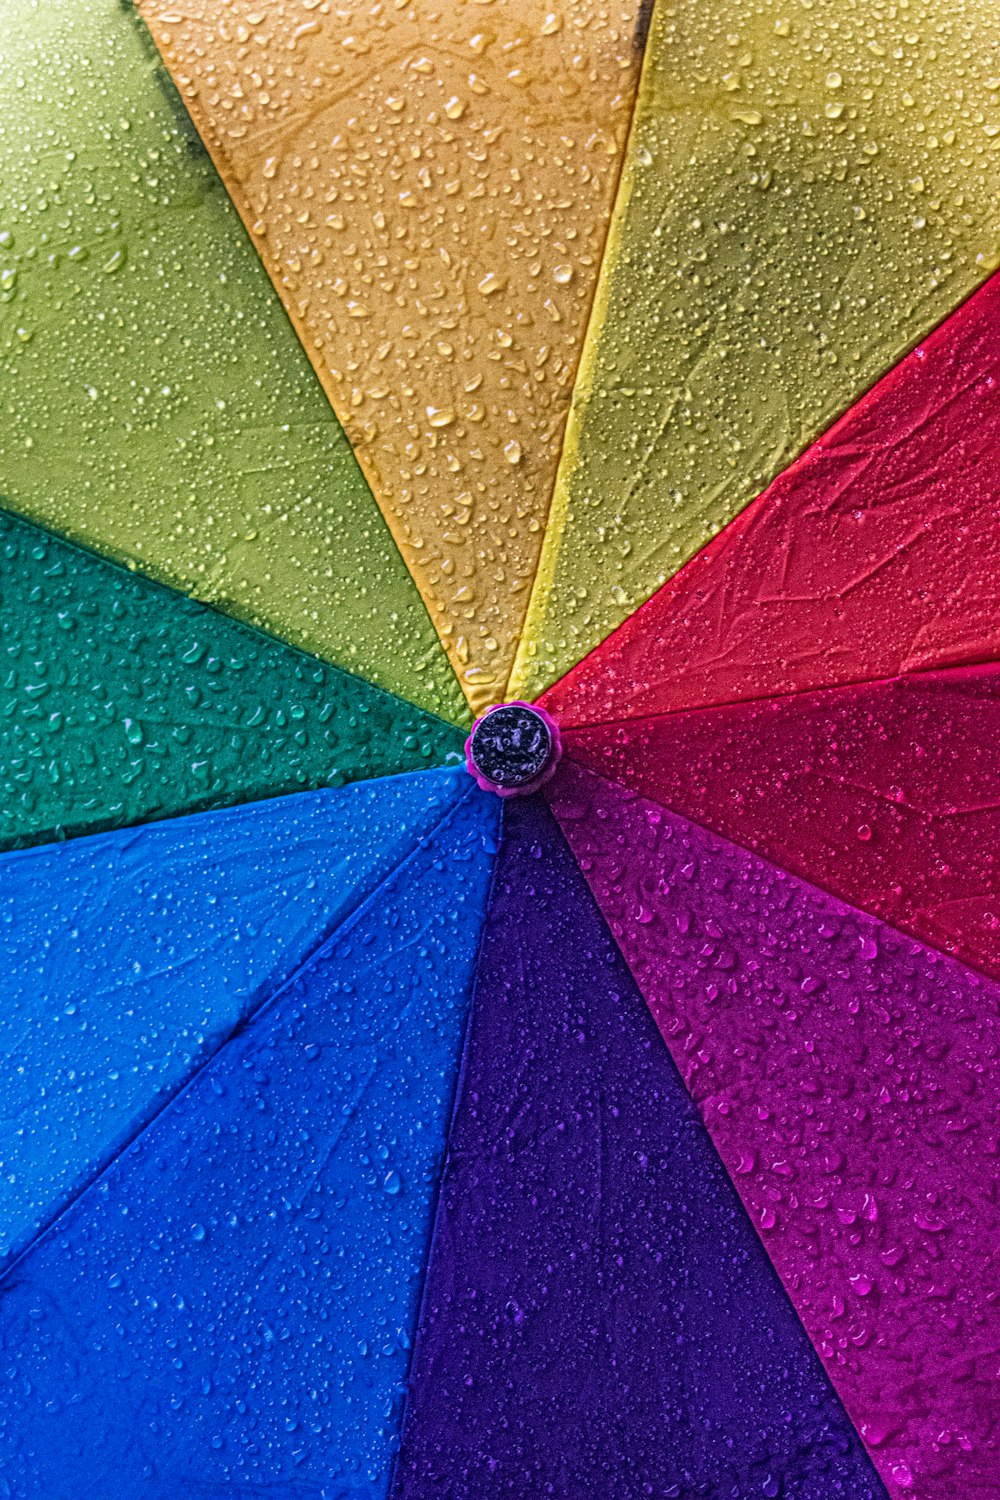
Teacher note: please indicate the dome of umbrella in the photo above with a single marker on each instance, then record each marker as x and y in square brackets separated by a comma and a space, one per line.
[500, 749]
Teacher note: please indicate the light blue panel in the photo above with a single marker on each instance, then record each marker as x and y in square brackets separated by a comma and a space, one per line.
[228, 1310]
[125, 960]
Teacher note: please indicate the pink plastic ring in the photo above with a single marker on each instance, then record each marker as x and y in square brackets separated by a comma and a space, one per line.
[513, 749]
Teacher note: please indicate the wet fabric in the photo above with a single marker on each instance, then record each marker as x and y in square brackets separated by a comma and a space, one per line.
[875, 554]
[122, 701]
[430, 190]
[229, 1308]
[844, 1072]
[887, 794]
[599, 1318]
[157, 404]
[128, 959]
[803, 199]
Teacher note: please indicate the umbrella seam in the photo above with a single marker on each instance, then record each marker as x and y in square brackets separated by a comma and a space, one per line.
[729, 703]
[439, 1185]
[257, 631]
[210, 146]
[783, 870]
[52, 1223]
[640, 42]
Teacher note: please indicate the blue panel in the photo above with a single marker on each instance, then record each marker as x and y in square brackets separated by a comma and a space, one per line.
[228, 1310]
[125, 959]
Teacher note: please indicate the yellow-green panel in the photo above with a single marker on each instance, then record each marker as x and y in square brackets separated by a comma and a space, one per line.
[154, 400]
[811, 185]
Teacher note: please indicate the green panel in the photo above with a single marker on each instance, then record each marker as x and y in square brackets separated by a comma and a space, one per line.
[121, 701]
[810, 187]
[154, 400]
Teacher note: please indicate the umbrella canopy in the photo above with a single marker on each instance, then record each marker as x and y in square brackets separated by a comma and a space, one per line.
[501, 972]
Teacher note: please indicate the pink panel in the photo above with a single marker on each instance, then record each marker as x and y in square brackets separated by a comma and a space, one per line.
[886, 794]
[849, 1079]
[878, 552]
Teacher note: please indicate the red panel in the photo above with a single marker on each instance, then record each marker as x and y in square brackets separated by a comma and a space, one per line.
[887, 794]
[848, 1077]
[878, 552]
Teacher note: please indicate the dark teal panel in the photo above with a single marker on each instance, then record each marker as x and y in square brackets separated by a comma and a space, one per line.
[126, 959]
[228, 1310]
[121, 701]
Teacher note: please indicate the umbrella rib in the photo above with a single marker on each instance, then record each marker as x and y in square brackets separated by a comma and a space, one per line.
[640, 40]
[986, 660]
[354, 915]
[456, 1095]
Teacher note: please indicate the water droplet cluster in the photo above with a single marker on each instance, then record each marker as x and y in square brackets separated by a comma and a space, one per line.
[121, 701]
[809, 188]
[600, 1318]
[155, 402]
[847, 1075]
[430, 189]
[886, 794]
[231, 1305]
[130, 958]
[875, 554]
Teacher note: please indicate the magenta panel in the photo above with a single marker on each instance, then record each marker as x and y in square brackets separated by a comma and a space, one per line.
[848, 1077]
[887, 794]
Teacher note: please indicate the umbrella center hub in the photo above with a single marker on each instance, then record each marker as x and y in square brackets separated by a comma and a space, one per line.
[513, 749]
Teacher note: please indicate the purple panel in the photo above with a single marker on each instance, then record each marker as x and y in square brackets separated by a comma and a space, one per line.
[599, 1318]
[848, 1077]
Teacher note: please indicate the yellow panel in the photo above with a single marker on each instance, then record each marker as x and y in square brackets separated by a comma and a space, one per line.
[430, 187]
[810, 186]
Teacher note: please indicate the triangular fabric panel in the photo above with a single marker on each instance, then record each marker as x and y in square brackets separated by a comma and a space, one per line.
[847, 1077]
[430, 190]
[802, 200]
[128, 958]
[876, 553]
[123, 701]
[156, 402]
[228, 1310]
[887, 794]
[599, 1317]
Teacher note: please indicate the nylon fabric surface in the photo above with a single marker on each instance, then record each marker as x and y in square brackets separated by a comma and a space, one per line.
[808, 191]
[229, 1309]
[599, 1317]
[845, 1074]
[122, 702]
[129, 958]
[157, 404]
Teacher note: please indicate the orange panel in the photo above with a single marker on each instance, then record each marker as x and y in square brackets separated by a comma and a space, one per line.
[430, 187]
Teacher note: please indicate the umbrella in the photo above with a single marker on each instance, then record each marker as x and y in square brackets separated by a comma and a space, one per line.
[499, 746]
